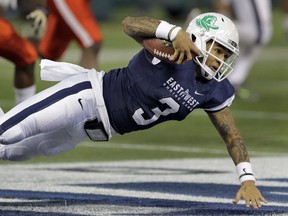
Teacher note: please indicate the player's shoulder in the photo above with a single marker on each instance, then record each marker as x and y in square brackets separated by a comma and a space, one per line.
[222, 89]
[219, 94]
[213, 88]
[226, 83]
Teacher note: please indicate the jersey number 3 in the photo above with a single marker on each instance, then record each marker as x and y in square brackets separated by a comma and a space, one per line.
[173, 108]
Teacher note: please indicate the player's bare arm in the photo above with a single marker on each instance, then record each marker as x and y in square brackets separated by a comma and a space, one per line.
[224, 123]
[141, 28]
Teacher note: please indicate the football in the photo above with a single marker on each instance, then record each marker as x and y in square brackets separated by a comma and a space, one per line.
[161, 49]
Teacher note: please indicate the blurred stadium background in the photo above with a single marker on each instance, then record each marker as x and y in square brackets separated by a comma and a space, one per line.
[263, 121]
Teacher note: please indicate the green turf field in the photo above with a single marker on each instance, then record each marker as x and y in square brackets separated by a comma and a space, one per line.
[263, 122]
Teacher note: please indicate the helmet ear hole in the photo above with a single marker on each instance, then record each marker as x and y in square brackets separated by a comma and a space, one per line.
[193, 38]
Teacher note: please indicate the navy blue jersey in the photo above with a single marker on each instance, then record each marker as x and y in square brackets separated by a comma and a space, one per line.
[144, 94]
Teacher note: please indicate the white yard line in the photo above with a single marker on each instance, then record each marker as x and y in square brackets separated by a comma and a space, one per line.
[249, 114]
[281, 116]
[116, 55]
[151, 147]
[161, 148]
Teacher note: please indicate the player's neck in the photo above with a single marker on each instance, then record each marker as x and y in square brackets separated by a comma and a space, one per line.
[198, 72]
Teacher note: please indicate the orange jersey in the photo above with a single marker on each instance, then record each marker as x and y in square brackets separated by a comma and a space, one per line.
[14, 47]
[68, 20]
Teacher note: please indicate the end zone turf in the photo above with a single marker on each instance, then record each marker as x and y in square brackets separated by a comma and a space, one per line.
[160, 187]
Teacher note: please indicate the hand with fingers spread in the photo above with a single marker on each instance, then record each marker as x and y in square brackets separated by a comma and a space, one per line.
[185, 50]
[250, 193]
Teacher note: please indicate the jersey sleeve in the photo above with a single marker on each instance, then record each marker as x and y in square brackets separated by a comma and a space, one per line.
[222, 96]
[226, 103]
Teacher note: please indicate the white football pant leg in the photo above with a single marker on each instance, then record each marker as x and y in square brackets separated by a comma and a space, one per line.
[243, 65]
[46, 144]
[253, 20]
[64, 105]
[254, 23]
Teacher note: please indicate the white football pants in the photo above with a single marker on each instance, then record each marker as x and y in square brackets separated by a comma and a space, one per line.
[254, 23]
[50, 122]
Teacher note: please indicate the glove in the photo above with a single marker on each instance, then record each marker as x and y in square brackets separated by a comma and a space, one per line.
[39, 19]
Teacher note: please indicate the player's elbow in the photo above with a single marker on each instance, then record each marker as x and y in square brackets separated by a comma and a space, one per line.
[126, 23]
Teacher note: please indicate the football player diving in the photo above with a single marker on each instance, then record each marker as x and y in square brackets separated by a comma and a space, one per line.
[93, 104]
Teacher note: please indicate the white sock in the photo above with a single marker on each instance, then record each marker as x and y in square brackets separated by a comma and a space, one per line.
[1, 112]
[24, 93]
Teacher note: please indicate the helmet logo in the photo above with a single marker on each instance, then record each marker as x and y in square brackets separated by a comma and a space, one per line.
[207, 22]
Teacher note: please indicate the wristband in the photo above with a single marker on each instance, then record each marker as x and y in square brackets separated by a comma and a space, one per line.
[173, 32]
[167, 31]
[244, 171]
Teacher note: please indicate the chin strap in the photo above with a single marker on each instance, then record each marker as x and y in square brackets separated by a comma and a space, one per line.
[204, 72]
[204, 68]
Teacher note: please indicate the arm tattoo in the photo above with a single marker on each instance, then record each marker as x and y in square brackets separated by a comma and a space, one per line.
[140, 26]
[224, 123]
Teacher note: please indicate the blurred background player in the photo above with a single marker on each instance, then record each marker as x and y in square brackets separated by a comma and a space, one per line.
[254, 22]
[70, 20]
[285, 11]
[20, 52]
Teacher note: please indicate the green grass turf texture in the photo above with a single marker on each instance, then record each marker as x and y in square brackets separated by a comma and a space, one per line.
[265, 134]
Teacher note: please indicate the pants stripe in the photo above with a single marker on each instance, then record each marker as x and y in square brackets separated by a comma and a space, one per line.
[57, 96]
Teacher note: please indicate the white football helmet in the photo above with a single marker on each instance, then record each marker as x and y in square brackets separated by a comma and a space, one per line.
[218, 28]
